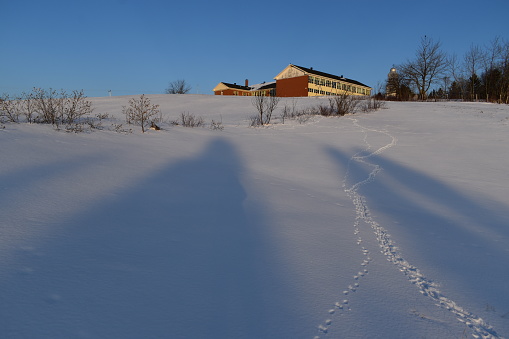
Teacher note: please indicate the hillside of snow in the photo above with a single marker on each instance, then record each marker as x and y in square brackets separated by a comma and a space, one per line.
[389, 224]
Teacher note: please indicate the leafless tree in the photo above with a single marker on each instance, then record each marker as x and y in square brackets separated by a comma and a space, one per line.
[10, 108]
[29, 108]
[427, 67]
[140, 111]
[57, 108]
[492, 57]
[49, 105]
[473, 62]
[178, 87]
[504, 66]
[265, 106]
[75, 107]
[456, 71]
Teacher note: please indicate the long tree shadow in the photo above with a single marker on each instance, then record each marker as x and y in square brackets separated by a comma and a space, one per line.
[460, 236]
[176, 256]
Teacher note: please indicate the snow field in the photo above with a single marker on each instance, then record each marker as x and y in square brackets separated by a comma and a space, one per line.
[388, 224]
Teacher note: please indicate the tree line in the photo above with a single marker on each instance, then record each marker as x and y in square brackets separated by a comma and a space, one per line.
[482, 73]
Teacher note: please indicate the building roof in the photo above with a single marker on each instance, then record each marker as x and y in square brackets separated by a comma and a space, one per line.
[237, 86]
[327, 75]
[265, 85]
[257, 87]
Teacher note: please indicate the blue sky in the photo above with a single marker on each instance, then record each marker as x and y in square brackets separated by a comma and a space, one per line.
[135, 47]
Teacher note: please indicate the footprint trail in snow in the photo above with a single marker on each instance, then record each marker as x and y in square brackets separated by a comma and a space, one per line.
[479, 328]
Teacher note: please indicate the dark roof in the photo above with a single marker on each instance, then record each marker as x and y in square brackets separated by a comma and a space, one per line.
[267, 86]
[237, 86]
[327, 75]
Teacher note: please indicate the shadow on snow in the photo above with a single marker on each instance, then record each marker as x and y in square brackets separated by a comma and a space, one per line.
[175, 256]
[438, 227]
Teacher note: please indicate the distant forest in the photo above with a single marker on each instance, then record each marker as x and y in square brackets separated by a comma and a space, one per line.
[481, 74]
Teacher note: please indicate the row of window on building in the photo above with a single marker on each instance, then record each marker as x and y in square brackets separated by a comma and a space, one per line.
[336, 85]
[271, 92]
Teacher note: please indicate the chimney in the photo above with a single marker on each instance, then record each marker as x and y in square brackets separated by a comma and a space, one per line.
[247, 83]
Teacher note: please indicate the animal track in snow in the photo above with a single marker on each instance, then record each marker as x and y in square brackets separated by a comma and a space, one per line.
[479, 328]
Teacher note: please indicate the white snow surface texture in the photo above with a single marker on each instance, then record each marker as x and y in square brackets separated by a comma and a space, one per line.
[390, 224]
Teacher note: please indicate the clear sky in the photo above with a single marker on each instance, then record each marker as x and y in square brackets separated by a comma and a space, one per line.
[138, 47]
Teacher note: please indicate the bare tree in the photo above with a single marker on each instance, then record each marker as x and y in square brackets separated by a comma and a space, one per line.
[504, 66]
[265, 106]
[29, 106]
[492, 58]
[455, 70]
[140, 111]
[10, 109]
[178, 87]
[473, 61]
[75, 107]
[49, 105]
[427, 67]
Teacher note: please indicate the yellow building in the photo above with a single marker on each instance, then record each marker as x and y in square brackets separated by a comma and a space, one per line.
[297, 81]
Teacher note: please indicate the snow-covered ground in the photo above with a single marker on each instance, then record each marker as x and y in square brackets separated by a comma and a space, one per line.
[391, 224]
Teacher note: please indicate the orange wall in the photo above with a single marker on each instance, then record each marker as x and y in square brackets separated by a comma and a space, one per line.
[231, 92]
[292, 87]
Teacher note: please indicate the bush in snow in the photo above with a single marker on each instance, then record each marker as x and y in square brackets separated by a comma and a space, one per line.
[264, 106]
[140, 112]
[188, 120]
[217, 125]
[47, 107]
[372, 104]
[10, 109]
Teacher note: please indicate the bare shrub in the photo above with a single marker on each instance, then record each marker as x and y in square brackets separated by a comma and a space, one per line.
[343, 104]
[48, 105]
[29, 107]
[289, 111]
[10, 109]
[265, 106]
[325, 110]
[140, 111]
[303, 118]
[119, 128]
[102, 116]
[285, 112]
[372, 104]
[187, 119]
[217, 125]
[75, 107]
[254, 121]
